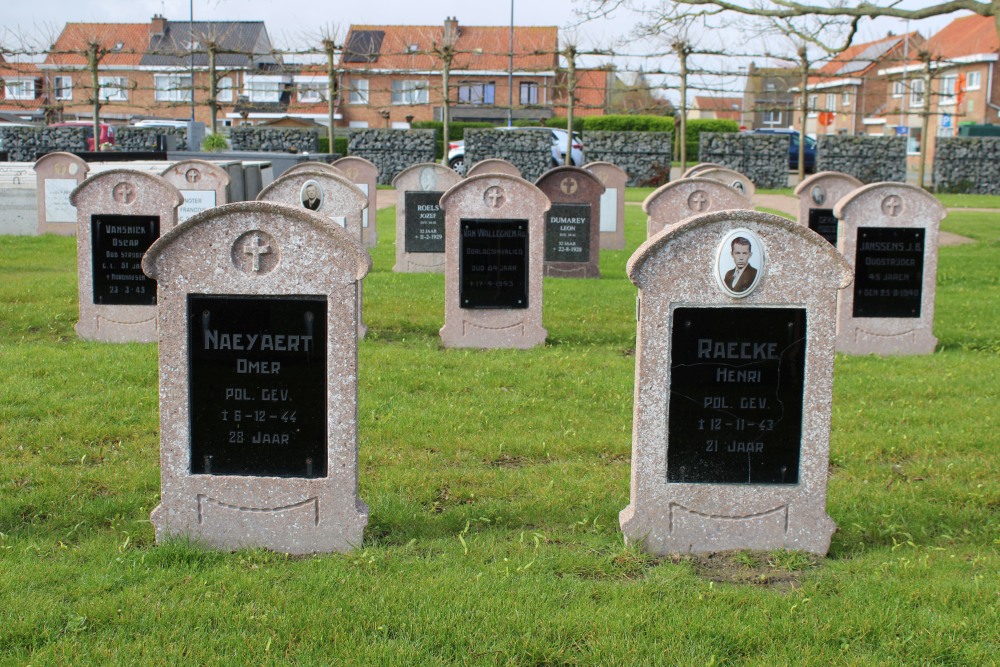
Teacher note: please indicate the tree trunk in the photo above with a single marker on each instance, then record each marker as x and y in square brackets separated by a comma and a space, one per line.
[683, 53]
[925, 123]
[804, 108]
[93, 59]
[331, 88]
[571, 101]
[213, 84]
[446, 107]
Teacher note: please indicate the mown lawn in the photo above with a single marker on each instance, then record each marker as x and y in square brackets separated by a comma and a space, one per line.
[495, 479]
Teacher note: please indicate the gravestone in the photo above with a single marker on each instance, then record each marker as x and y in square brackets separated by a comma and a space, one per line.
[573, 223]
[493, 165]
[119, 213]
[889, 235]
[311, 166]
[202, 184]
[419, 218]
[259, 380]
[329, 193]
[56, 176]
[614, 179]
[733, 179]
[363, 174]
[494, 249]
[733, 386]
[700, 167]
[673, 202]
[817, 195]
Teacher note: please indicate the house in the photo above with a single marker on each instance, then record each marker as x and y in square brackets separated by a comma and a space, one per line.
[960, 65]
[767, 100]
[393, 75]
[145, 70]
[722, 108]
[22, 94]
[846, 91]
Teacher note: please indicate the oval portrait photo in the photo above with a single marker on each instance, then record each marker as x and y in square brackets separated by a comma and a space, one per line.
[311, 195]
[740, 262]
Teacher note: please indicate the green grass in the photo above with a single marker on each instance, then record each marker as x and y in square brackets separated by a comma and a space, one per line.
[495, 479]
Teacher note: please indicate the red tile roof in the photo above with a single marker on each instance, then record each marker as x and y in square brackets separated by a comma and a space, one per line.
[71, 47]
[727, 108]
[591, 92]
[858, 60]
[478, 48]
[966, 36]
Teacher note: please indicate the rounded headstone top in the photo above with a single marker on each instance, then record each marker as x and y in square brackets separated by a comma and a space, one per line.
[77, 167]
[499, 182]
[824, 177]
[158, 188]
[300, 176]
[311, 166]
[181, 168]
[887, 195]
[560, 172]
[415, 171]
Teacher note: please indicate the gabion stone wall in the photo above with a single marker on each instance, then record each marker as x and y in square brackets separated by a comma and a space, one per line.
[645, 156]
[392, 151]
[274, 139]
[868, 159]
[967, 164]
[531, 152]
[25, 144]
[763, 158]
[144, 138]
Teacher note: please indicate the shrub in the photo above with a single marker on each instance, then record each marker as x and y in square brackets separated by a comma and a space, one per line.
[214, 143]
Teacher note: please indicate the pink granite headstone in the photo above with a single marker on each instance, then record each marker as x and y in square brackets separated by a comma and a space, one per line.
[730, 177]
[673, 202]
[120, 213]
[363, 174]
[573, 223]
[56, 176]
[733, 386]
[614, 179]
[493, 165]
[889, 236]
[202, 184]
[259, 380]
[494, 242]
[419, 218]
[817, 195]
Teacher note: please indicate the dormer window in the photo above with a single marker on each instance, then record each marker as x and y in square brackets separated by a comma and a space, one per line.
[119, 46]
[412, 48]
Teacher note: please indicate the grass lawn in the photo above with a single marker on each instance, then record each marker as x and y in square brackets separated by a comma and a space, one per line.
[495, 479]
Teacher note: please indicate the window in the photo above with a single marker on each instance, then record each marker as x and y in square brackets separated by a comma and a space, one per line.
[913, 140]
[359, 91]
[770, 87]
[224, 89]
[263, 88]
[813, 103]
[113, 89]
[476, 93]
[406, 91]
[949, 82]
[359, 124]
[898, 88]
[529, 93]
[973, 80]
[917, 93]
[172, 87]
[312, 92]
[831, 101]
[19, 89]
[63, 88]
[772, 118]
[845, 98]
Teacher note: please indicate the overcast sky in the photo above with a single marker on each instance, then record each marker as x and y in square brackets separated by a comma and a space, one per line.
[295, 23]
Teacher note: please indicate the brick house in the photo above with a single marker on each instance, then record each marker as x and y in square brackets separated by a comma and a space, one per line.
[722, 108]
[391, 75]
[963, 61]
[21, 91]
[145, 70]
[767, 102]
[848, 90]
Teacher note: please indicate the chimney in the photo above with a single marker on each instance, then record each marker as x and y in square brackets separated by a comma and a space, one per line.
[158, 26]
[450, 30]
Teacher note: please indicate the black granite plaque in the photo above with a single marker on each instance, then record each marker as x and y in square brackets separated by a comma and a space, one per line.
[258, 385]
[889, 272]
[567, 233]
[736, 383]
[493, 264]
[424, 228]
[824, 222]
[118, 243]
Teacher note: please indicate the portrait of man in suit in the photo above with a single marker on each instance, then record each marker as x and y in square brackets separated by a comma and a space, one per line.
[312, 195]
[741, 276]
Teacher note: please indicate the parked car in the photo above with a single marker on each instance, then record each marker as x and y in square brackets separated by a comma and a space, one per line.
[793, 148]
[107, 132]
[456, 149]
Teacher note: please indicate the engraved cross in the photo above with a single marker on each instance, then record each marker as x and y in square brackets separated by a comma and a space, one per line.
[495, 197]
[892, 205]
[256, 250]
[698, 201]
